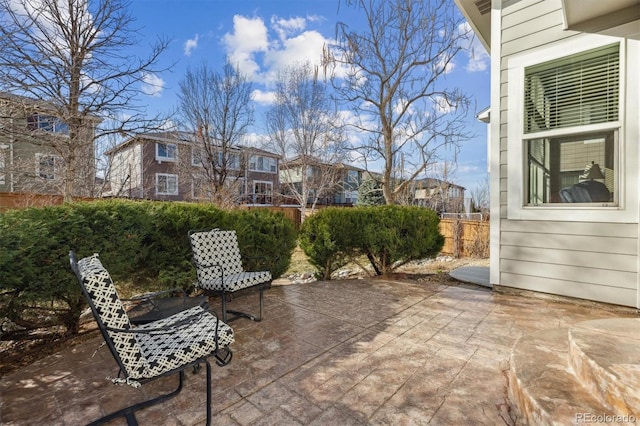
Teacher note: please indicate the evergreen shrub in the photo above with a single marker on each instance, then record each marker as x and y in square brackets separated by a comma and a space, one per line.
[388, 236]
[140, 242]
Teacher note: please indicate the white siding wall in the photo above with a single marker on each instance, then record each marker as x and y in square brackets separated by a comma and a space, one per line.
[127, 162]
[596, 261]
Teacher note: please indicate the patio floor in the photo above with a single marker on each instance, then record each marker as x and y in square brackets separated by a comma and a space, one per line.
[373, 351]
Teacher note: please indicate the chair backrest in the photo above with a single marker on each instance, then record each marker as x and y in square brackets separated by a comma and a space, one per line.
[598, 191]
[589, 191]
[215, 252]
[109, 312]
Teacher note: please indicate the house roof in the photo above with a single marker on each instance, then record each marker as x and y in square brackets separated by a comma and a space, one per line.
[38, 104]
[294, 161]
[478, 14]
[435, 183]
[178, 137]
[484, 115]
[619, 18]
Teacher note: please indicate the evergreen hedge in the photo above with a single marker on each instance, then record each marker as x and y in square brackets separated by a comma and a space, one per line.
[139, 242]
[389, 236]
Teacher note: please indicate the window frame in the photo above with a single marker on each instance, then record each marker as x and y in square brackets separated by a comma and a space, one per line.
[626, 155]
[47, 123]
[254, 161]
[615, 131]
[265, 195]
[166, 158]
[166, 175]
[57, 165]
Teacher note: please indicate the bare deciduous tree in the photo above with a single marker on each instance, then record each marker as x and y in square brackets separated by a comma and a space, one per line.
[481, 197]
[216, 108]
[74, 57]
[391, 75]
[305, 130]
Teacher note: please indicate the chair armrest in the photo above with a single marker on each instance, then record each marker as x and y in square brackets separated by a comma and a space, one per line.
[150, 296]
[170, 328]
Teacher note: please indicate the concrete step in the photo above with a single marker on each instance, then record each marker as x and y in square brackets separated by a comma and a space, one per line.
[588, 373]
[542, 388]
[605, 358]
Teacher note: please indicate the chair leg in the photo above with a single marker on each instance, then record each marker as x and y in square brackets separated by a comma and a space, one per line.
[129, 412]
[208, 392]
[223, 296]
[239, 314]
[261, 304]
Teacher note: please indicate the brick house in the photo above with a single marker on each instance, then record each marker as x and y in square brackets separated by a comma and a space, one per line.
[167, 166]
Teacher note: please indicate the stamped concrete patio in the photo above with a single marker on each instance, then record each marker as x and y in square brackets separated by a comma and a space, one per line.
[340, 352]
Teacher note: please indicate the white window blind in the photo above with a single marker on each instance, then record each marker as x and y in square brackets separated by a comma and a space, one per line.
[573, 91]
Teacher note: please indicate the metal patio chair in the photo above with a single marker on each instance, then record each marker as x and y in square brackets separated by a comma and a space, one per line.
[157, 349]
[218, 263]
[151, 307]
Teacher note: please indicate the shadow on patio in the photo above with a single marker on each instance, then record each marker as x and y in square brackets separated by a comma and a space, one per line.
[373, 351]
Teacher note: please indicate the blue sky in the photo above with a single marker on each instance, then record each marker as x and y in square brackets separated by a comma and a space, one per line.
[262, 36]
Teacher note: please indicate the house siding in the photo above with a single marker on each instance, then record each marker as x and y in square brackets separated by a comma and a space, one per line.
[126, 172]
[589, 260]
[20, 150]
[137, 158]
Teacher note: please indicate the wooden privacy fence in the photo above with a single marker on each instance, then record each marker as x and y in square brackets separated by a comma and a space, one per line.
[465, 238]
[17, 200]
[292, 213]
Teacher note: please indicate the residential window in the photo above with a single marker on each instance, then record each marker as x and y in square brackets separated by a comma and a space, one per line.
[166, 184]
[232, 160]
[262, 192]
[353, 180]
[48, 166]
[263, 164]
[198, 158]
[3, 156]
[571, 113]
[47, 123]
[166, 151]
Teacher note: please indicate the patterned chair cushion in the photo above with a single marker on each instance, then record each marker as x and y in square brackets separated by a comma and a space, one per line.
[180, 339]
[184, 344]
[98, 283]
[219, 264]
[235, 282]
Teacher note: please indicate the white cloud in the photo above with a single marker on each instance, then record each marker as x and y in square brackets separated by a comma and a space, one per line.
[478, 58]
[249, 38]
[306, 47]
[190, 44]
[261, 51]
[446, 64]
[152, 85]
[285, 27]
[263, 98]
[442, 105]
[401, 104]
[49, 17]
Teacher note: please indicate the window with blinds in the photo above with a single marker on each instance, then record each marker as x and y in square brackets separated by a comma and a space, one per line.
[577, 90]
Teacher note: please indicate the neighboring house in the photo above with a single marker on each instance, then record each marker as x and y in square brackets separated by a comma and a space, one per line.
[166, 166]
[439, 195]
[337, 183]
[350, 179]
[563, 129]
[32, 143]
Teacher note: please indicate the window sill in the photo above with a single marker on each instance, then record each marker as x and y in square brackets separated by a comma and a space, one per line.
[574, 213]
